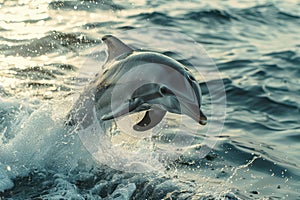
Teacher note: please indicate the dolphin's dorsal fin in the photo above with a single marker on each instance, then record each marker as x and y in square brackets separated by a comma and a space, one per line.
[115, 47]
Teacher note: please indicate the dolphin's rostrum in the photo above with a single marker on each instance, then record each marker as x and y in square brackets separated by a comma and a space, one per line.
[137, 81]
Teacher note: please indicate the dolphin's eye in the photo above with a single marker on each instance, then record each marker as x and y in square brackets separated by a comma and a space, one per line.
[163, 90]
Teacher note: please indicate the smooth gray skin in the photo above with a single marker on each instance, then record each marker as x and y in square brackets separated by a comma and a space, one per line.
[170, 87]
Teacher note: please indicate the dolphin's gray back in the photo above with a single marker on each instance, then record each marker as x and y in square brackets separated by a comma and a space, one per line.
[126, 62]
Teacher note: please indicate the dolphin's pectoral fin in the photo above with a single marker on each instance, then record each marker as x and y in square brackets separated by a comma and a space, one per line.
[123, 109]
[151, 119]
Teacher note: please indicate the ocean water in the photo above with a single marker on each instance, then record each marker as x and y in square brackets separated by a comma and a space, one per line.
[50, 50]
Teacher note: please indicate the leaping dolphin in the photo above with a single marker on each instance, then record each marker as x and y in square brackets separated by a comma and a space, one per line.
[136, 81]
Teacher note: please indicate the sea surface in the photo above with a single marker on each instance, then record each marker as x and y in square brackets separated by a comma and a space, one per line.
[50, 50]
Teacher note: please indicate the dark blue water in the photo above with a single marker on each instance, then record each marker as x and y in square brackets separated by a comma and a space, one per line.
[45, 46]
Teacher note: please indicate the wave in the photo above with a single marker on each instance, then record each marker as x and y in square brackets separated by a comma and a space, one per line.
[242, 153]
[46, 81]
[267, 14]
[289, 56]
[54, 42]
[157, 18]
[164, 19]
[47, 71]
[84, 5]
[254, 98]
[221, 16]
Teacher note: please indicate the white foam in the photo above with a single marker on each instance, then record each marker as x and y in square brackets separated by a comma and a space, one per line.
[5, 181]
[123, 192]
[40, 141]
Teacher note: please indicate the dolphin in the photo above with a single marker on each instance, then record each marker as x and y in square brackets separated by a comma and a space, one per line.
[135, 81]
